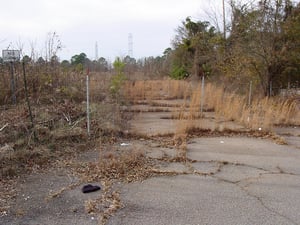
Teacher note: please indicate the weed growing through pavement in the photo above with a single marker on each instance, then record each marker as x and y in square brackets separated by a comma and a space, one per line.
[263, 113]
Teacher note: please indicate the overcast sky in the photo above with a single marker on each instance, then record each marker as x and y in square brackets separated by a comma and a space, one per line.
[82, 23]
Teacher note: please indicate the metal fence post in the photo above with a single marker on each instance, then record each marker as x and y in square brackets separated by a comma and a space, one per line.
[202, 95]
[250, 93]
[12, 83]
[88, 103]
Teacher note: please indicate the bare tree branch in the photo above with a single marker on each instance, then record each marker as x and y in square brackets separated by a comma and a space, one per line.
[1, 129]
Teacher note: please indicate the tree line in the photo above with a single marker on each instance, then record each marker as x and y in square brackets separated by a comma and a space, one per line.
[261, 45]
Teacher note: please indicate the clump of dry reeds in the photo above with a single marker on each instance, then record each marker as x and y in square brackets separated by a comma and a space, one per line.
[227, 107]
[262, 113]
[156, 89]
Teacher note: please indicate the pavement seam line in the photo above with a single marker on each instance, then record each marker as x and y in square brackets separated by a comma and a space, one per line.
[259, 199]
[244, 189]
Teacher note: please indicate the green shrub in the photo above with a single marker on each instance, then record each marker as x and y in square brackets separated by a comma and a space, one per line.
[118, 79]
[179, 72]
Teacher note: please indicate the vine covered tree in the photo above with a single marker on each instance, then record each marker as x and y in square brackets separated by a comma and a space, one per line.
[196, 48]
[262, 43]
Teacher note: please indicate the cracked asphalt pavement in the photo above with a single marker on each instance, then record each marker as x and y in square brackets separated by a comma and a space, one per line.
[232, 180]
[226, 181]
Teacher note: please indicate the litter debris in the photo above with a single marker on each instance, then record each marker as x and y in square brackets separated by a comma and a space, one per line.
[90, 188]
[125, 144]
[222, 142]
[259, 129]
[2, 128]
[6, 148]
[2, 214]
[25, 197]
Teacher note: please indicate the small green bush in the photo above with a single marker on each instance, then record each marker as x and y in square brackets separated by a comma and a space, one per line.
[179, 73]
[118, 79]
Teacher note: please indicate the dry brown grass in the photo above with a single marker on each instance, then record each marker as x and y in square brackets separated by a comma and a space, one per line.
[105, 205]
[156, 89]
[263, 113]
[127, 165]
[91, 206]
[228, 108]
[114, 164]
[114, 203]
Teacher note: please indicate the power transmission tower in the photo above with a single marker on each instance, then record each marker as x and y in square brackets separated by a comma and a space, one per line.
[96, 51]
[130, 45]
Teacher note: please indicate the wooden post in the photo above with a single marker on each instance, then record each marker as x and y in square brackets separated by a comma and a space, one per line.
[12, 83]
[28, 102]
[250, 93]
[202, 95]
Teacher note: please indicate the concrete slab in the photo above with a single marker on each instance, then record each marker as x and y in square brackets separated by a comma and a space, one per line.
[37, 202]
[243, 181]
[237, 173]
[290, 134]
[292, 140]
[263, 154]
[293, 130]
[205, 167]
[174, 167]
[191, 199]
[279, 193]
[151, 124]
[159, 153]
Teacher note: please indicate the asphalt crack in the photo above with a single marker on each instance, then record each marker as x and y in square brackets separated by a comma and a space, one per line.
[190, 170]
[250, 180]
[216, 173]
[260, 200]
